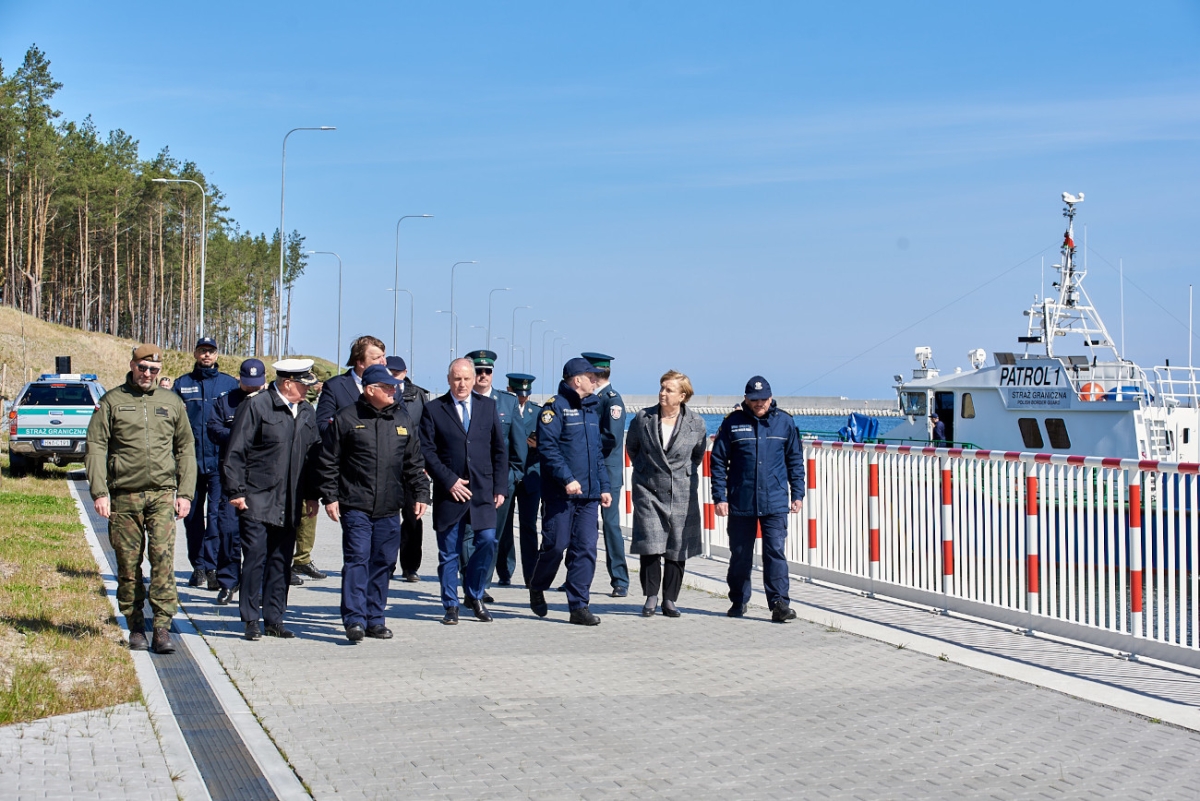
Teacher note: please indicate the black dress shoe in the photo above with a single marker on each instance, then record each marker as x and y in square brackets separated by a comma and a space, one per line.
[584, 617]
[354, 632]
[411, 577]
[504, 583]
[252, 631]
[162, 642]
[481, 611]
[561, 588]
[487, 599]
[737, 610]
[379, 632]
[781, 612]
[669, 609]
[451, 618]
[296, 581]
[225, 596]
[537, 602]
[199, 578]
[213, 584]
[309, 570]
[277, 630]
[137, 641]
[619, 592]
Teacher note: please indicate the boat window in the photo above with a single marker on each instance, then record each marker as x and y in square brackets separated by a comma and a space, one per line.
[968, 406]
[1056, 427]
[915, 403]
[1186, 431]
[1031, 435]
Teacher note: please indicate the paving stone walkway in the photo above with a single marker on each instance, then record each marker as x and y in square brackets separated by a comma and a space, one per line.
[697, 707]
[107, 753]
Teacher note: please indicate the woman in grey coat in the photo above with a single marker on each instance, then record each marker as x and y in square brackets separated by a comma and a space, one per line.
[666, 444]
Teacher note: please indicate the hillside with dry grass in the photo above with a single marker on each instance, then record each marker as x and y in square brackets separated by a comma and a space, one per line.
[28, 347]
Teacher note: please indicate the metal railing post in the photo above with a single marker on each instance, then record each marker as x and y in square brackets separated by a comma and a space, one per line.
[947, 530]
[873, 520]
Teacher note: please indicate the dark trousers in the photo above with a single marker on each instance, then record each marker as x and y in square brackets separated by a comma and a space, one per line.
[229, 546]
[568, 525]
[475, 573]
[369, 547]
[529, 496]
[411, 534]
[652, 576]
[742, 533]
[614, 540]
[201, 524]
[504, 561]
[267, 566]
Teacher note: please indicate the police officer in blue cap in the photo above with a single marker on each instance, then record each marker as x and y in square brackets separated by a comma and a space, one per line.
[755, 459]
[252, 376]
[612, 443]
[506, 407]
[528, 489]
[574, 487]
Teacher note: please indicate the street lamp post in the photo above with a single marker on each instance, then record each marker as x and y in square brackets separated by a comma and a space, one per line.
[512, 340]
[412, 345]
[544, 333]
[396, 283]
[516, 348]
[489, 325]
[505, 340]
[338, 350]
[531, 325]
[554, 349]
[283, 238]
[203, 236]
[481, 328]
[454, 339]
[453, 330]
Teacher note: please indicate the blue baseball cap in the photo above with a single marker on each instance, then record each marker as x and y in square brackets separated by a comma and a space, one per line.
[578, 366]
[378, 374]
[252, 373]
[396, 363]
[757, 388]
[205, 342]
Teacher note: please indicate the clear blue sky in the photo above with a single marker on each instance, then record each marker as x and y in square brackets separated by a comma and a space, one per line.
[723, 189]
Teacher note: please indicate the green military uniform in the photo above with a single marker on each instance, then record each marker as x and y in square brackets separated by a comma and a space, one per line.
[141, 453]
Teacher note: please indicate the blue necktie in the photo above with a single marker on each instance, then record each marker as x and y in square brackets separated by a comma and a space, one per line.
[466, 416]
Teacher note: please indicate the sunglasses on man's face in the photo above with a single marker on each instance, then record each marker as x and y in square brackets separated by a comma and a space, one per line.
[483, 371]
[148, 368]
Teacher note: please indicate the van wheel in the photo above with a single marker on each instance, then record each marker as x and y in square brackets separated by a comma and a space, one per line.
[18, 464]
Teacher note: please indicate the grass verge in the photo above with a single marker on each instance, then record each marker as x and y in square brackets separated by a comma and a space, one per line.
[60, 648]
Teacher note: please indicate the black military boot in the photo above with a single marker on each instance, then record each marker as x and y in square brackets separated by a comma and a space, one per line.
[584, 617]
[162, 642]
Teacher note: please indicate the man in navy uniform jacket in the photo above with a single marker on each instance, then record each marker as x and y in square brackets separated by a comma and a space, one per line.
[200, 390]
[467, 458]
[755, 458]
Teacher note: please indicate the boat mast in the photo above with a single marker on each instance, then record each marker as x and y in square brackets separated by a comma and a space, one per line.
[1072, 312]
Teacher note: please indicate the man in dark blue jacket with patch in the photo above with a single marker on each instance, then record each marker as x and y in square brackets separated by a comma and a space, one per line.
[574, 488]
[755, 458]
[252, 376]
[200, 390]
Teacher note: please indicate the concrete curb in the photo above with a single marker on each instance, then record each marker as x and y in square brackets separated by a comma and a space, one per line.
[189, 784]
[278, 772]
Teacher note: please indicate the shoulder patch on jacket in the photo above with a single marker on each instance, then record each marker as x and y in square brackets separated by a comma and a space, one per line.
[547, 416]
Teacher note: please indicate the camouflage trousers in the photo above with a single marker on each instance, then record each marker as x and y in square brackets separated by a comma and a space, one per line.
[135, 519]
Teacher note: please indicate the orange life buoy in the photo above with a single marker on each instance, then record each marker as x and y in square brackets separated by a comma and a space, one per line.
[1091, 391]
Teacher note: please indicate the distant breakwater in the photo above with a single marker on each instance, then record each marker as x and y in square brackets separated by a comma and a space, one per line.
[795, 405]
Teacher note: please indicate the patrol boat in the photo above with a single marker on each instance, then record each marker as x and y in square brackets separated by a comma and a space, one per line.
[1075, 394]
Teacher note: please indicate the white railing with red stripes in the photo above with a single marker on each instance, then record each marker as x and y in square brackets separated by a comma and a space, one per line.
[1066, 545]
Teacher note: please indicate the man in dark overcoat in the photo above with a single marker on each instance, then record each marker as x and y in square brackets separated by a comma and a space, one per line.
[467, 458]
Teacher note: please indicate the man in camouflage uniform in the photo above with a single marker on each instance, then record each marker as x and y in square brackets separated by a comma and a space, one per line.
[141, 468]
